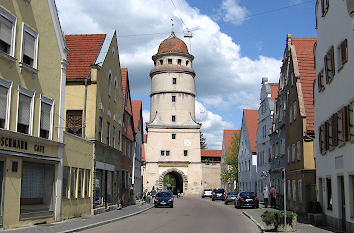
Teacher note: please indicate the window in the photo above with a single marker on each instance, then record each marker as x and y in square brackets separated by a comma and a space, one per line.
[295, 111]
[87, 182]
[345, 123]
[289, 191]
[64, 191]
[100, 126]
[169, 61]
[292, 79]
[343, 53]
[4, 101]
[187, 62]
[167, 153]
[115, 89]
[174, 80]
[119, 138]
[173, 136]
[109, 84]
[294, 190]
[173, 98]
[25, 111]
[80, 183]
[329, 193]
[46, 118]
[162, 153]
[291, 114]
[320, 81]
[173, 118]
[351, 121]
[179, 61]
[324, 7]
[74, 122]
[114, 137]
[108, 132]
[298, 148]
[299, 189]
[161, 62]
[334, 124]
[73, 183]
[7, 28]
[289, 154]
[185, 152]
[29, 47]
[329, 65]
[293, 153]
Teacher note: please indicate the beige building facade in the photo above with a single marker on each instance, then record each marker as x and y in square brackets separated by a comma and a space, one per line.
[173, 146]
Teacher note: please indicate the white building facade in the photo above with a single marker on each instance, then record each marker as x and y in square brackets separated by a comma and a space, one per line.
[334, 118]
[247, 155]
[269, 92]
[173, 146]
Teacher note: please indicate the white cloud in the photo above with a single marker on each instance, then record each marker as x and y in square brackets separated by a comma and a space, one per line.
[233, 12]
[213, 125]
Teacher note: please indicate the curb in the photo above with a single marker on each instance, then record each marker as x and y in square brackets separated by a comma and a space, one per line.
[253, 220]
[105, 222]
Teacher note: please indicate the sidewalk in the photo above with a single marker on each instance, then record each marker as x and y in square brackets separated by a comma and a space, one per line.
[83, 223]
[302, 226]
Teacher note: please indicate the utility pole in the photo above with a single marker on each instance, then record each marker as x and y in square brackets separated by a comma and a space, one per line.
[284, 181]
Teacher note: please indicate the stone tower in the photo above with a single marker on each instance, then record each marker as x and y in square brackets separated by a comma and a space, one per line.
[173, 144]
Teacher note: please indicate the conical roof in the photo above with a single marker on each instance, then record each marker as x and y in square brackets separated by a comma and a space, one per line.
[173, 45]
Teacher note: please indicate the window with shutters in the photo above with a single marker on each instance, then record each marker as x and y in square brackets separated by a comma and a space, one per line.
[25, 111]
[342, 53]
[7, 32]
[5, 87]
[351, 121]
[324, 7]
[46, 118]
[340, 128]
[321, 139]
[74, 122]
[329, 65]
[298, 150]
[327, 135]
[334, 124]
[320, 81]
[29, 47]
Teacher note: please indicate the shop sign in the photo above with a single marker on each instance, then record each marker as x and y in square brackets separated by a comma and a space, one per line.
[19, 144]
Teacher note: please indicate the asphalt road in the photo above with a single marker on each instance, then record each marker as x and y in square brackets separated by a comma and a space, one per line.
[189, 215]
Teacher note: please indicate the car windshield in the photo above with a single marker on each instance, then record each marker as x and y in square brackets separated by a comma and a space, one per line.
[207, 190]
[232, 193]
[164, 194]
[248, 195]
[218, 190]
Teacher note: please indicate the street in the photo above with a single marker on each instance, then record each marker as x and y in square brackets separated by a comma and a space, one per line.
[191, 215]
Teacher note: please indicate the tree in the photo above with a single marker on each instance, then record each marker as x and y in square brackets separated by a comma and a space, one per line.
[231, 161]
[203, 144]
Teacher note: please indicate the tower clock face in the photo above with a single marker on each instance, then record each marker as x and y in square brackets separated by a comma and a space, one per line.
[187, 142]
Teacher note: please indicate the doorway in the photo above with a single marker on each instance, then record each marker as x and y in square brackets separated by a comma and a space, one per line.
[341, 202]
[2, 169]
[173, 181]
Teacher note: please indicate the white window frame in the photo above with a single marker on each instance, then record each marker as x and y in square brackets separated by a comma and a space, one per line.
[35, 34]
[13, 20]
[50, 102]
[30, 94]
[8, 85]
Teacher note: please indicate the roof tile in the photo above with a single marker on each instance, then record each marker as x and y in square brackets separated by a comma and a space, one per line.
[251, 118]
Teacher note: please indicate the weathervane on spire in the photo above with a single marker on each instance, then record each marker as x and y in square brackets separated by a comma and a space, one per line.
[172, 24]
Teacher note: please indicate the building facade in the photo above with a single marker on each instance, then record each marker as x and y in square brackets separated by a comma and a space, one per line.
[173, 146]
[247, 154]
[94, 110]
[137, 181]
[211, 161]
[269, 93]
[334, 112]
[32, 91]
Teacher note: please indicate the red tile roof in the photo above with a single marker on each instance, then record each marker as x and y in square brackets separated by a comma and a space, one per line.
[83, 52]
[251, 118]
[145, 138]
[227, 139]
[173, 44]
[211, 153]
[305, 59]
[274, 91]
[124, 73]
[137, 108]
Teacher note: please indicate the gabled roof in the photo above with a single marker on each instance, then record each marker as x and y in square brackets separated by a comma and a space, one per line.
[227, 139]
[137, 108]
[124, 73]
[251, 118]
[211, 153]
[274, 91]
[304, 56]
[83, 52]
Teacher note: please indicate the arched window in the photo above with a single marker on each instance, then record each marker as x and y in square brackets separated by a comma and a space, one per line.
[109, 84]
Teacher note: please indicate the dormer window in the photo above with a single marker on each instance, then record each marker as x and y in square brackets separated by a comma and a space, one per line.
[161, 62]
[179, 61]
[169, 61]
[187, 62]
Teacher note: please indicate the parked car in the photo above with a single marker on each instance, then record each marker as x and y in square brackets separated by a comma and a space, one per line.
[230, 197]
[207, 193]
[248, 199]
[218, 194]
[164, 199]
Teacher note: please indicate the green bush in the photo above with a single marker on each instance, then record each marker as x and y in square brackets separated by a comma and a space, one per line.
[277, 217]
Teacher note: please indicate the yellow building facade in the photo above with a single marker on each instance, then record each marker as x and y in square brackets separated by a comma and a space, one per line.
[32, 84]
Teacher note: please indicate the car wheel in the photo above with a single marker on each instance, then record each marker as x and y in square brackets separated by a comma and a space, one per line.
[225, 203]
[171, 206]
[156, 206]
[213, 199]
[202, 196]
[257, 206]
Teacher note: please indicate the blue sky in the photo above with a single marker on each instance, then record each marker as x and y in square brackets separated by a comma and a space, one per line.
[237, 42]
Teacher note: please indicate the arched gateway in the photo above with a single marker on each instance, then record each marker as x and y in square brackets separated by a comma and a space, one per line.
[173, 142]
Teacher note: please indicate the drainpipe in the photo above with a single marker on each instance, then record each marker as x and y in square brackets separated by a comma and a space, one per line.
[85, 103]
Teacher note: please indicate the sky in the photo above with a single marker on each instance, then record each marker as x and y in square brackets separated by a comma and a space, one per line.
[235, 43]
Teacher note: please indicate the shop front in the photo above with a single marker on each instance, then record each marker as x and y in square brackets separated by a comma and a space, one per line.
[28, 174]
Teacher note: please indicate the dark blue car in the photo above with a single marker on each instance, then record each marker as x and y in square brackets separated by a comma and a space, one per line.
[164, 199]
[218, 194]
